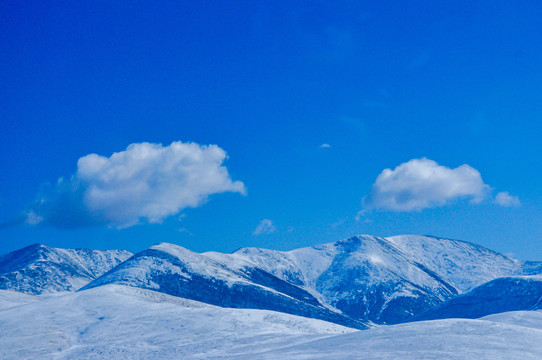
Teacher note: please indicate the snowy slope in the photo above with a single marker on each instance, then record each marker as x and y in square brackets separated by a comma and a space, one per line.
[450, 339]
[386, 280]
[496, 296]
[228, 281]
[462, 264]
[9, 299]
[529, 318]
[119, 322]
[38, 269]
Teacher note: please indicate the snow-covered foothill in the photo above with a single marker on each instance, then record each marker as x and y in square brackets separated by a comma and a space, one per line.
[449, 339]
[121, 322]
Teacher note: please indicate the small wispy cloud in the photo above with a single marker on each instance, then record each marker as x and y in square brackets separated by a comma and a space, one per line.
[505, 199]
[324, 146]
[264, 227]
[144, 183]
[185, 231]
[423, 183]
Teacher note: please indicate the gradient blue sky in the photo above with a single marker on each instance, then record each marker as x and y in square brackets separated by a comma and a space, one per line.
[269, 82]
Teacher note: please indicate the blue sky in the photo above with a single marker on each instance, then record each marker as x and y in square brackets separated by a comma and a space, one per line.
[420, 88]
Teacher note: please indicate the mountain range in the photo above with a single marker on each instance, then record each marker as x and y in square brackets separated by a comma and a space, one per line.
[355, 282]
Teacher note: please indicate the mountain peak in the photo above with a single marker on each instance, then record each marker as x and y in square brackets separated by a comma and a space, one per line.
[38, 268]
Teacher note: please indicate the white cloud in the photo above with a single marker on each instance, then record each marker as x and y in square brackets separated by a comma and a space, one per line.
[185, 231]
[144, 183]
[505, 199]
[422, 183]
[31, 218]
[325, 146]
[264, 227]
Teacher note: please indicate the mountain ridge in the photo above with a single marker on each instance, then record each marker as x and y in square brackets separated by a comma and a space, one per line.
[355, 282]
[38, 268]
[366, 278]
[496, 296]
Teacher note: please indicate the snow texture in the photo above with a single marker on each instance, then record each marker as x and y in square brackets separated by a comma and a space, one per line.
[113, 322]
[120, 322]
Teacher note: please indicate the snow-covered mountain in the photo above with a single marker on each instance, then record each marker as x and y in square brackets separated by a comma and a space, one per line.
[170, 302]
[38, 269]
[496, 296]
[353, 282]
[225, 280]
[386, 280]
[364, 278]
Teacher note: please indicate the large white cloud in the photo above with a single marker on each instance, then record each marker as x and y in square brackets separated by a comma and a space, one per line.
[144, 183]
[422, 183]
